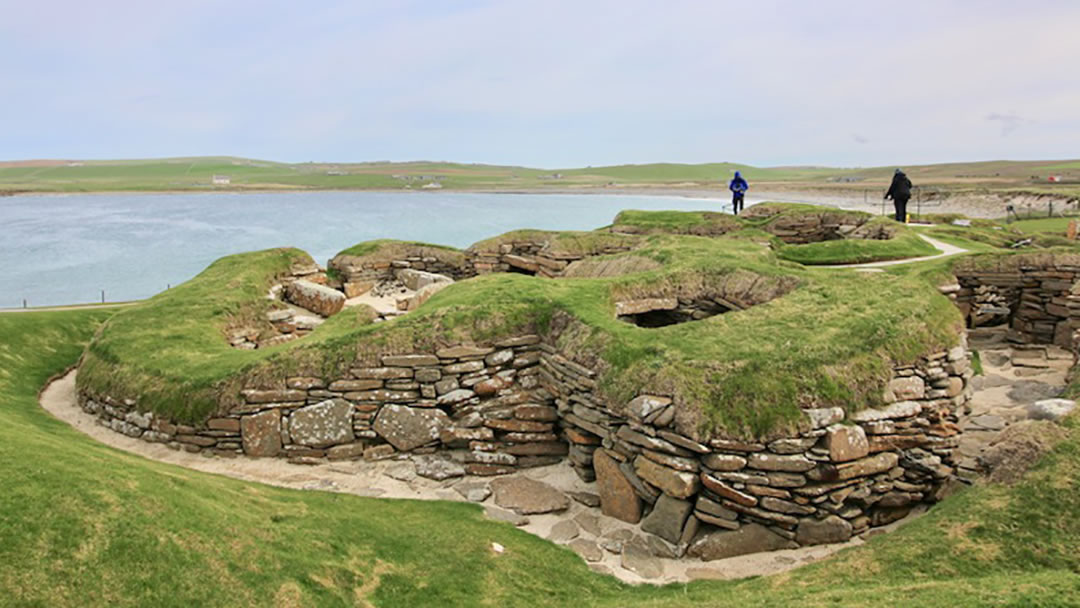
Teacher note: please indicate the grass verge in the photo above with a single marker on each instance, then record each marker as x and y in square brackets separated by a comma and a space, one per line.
[119, 530]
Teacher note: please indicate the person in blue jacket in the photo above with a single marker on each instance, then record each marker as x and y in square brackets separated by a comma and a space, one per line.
[738, 187]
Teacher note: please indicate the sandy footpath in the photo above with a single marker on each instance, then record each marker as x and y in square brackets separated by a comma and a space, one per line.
[397, 479]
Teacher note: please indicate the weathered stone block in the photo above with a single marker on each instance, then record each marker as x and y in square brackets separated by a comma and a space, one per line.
[846, 443]
[319, 299]
[323, 424]
[407, 428]
[751, 538]
[617, 496]
[793, 463]
[261, 433]
[667, 518]
[680, 484]
[410, 360]
[832, 529]
[905, 389]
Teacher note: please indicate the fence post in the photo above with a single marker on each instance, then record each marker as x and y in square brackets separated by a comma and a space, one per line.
[102, 296]
[24, 302]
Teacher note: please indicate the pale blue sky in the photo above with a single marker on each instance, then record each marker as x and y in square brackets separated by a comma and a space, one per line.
[549, 83]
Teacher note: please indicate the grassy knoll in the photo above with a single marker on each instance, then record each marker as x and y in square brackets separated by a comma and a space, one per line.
[906, 244]
[86, 525]
[831, 340]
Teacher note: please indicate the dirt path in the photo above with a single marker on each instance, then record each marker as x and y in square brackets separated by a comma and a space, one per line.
[398, 479]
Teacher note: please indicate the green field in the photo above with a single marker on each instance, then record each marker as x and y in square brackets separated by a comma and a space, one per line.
[195, 174]
[86, 525]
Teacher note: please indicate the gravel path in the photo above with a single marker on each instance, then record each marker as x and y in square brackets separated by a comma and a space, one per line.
[945, 249]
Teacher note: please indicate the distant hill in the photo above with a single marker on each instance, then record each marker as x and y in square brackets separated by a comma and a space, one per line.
[233, 173]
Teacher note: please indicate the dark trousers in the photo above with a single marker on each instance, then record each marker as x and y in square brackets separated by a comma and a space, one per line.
[901, 209]
[737, 202]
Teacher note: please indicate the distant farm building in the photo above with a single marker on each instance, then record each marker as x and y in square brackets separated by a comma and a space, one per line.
[220, 180]
[431, 186]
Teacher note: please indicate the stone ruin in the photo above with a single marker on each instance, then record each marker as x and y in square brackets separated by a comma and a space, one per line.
[517, 402]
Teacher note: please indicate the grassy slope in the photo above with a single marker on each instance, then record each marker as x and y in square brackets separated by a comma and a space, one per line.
[123, 531]
[195, 174]
[831, 341]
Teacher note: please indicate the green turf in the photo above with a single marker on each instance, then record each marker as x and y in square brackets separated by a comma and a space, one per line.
[85, 525]
[832, 340]
[857, 251]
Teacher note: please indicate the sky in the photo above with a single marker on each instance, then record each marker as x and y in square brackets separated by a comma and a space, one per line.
[544, 83]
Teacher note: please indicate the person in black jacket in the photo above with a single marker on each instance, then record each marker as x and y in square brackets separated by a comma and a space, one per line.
[900, 193]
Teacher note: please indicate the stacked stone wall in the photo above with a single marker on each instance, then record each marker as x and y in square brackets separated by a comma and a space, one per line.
[530, 257]
[1039, 299]
[728, 496]
[483, 403]
[357, 275]
[519, 403]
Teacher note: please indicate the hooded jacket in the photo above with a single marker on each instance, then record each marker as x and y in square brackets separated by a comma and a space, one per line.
[738, 184]
[900, 189]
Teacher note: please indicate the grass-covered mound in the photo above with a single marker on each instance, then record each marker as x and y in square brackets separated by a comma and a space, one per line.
[86, 525]
[831, 340]
[868, 239]
[904, 243]
[701, 223]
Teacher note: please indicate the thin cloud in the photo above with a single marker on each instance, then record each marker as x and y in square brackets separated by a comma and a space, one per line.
[1008, 122]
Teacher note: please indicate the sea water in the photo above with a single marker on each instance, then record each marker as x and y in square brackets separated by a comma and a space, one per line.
[66, 249]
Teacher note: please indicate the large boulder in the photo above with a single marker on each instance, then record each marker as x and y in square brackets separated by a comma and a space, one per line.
[323, 424]
[617, 496]
[407, 428]
[751, 538]
[260, 433]
[319, 299]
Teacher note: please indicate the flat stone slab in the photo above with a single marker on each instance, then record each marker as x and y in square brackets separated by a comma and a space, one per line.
[527, 496]
[750, 538]
[475, 491]
[564, 531]
[509, 517]
[587, 549]
[1030, 391]
[986, 422]
[438, 468]
[640, 561]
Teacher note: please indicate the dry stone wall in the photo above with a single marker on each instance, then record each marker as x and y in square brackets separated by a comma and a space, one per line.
[1037, 296]
[358, 275]
[518, 403]
[725, 497]
[529, 257]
